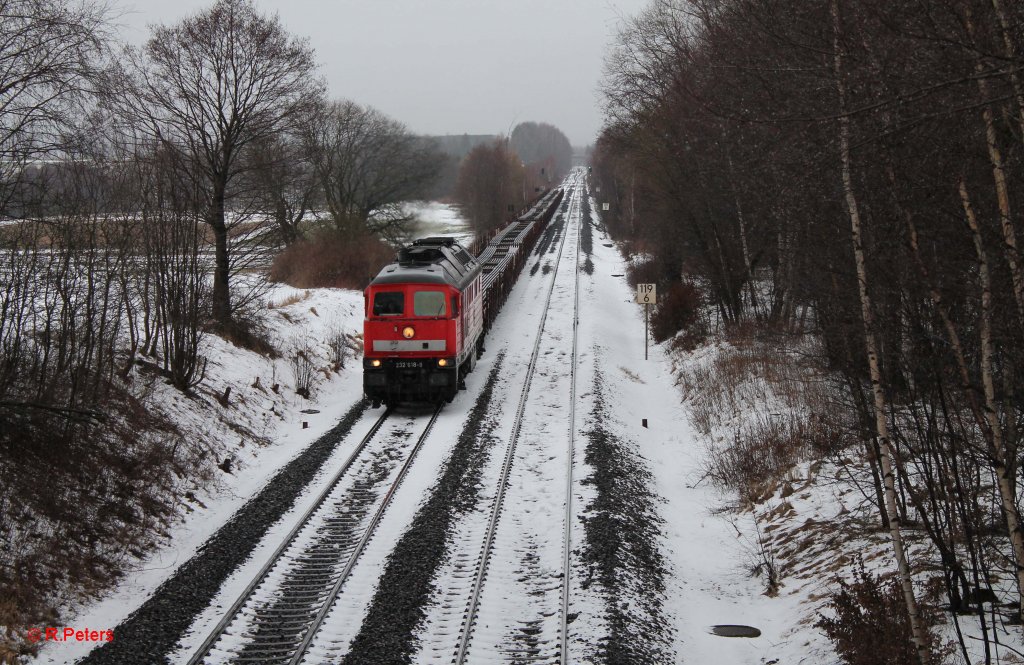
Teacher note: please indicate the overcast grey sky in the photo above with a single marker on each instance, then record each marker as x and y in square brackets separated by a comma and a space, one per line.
[447, 66]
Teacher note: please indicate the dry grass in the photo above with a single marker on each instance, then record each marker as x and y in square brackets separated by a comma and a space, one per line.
[290, 300]
[764, 450]
[329, 259]
[767, 404]
[750, 373]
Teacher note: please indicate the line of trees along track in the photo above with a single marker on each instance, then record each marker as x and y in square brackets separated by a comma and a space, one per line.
[853, 170]
[500, 177]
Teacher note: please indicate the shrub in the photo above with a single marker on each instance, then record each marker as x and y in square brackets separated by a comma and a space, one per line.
[340, 345]
[678, 310]
[759, 453]
[871, 625]
[82, 488]
[305, 372]
[330, 259]
[642, 271]
[249, 330]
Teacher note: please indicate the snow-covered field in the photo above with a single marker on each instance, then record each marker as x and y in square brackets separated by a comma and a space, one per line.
[439, 219]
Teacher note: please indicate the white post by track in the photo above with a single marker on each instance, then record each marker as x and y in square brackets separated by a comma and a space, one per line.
[646, 295]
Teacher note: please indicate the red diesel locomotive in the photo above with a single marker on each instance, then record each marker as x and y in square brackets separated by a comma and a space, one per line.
[427, 313]
[424, 324]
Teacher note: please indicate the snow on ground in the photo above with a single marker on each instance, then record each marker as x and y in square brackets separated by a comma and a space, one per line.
[709, 583]
[260, 431]
[709, 561]
[815, 524]
[709, 546]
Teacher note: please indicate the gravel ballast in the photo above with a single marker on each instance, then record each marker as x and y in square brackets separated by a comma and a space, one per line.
[152, 632]
[387, 633]
[621, 549]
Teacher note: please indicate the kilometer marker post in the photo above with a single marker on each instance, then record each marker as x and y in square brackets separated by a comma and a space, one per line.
[645, 295]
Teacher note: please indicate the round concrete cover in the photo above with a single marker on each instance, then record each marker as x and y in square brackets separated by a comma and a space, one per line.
[728, 630]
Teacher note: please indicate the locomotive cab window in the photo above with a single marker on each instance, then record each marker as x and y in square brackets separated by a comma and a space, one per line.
[388, 303]
[428, 303]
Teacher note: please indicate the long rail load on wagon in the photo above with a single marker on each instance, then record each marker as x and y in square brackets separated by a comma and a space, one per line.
[427, 313]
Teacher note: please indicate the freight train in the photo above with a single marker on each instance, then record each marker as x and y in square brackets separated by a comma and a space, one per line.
[427, 313]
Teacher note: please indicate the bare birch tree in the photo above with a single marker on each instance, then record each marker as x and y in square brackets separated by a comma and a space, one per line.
[888, 464]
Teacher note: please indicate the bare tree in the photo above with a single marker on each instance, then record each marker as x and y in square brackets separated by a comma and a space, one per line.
[490, 185]
[367, 164]
[739, 137]
[544, 146]
[889, 462]
[47, 52]
[214, 86]
[284, 187]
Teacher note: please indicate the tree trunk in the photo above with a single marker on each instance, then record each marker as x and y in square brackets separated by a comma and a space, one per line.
[747, 266]
[222, 269]
[1010, 51]
[999, 176]
[886, 460]
[997, 445]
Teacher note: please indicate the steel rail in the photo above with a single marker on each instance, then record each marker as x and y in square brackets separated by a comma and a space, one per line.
[481, 574]
[299, 619]
[204, 649]
[354, 557]
[563, 657]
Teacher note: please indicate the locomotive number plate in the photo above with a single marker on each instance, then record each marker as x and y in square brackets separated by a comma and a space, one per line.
[407, 364]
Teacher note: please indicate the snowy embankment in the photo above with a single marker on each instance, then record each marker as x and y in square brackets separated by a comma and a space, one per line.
[263, 426]
[769, 405]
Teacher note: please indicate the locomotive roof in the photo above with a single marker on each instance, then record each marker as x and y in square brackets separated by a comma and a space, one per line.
[431, 261]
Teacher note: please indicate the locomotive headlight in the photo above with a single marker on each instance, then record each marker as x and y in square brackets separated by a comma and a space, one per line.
[441, 362]
[375, 362]
[408, 332]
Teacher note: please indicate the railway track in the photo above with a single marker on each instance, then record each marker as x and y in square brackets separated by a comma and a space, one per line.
[467, 598]
[309, 581]
[277, 615]
[563, 657]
